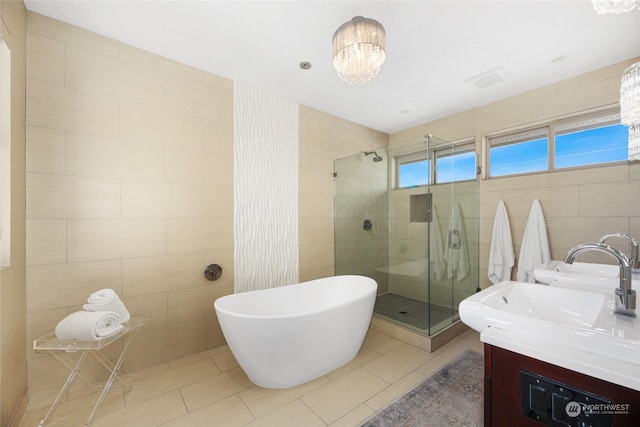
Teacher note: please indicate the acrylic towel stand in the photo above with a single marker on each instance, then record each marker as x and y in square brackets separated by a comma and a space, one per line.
[59, 347]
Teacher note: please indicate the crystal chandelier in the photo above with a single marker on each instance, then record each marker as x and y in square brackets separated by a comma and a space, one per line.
[630, 107]
[615, 6]
[358, 50]
[630, 84]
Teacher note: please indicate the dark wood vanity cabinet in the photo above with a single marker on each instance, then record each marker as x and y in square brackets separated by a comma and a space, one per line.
[518, 389]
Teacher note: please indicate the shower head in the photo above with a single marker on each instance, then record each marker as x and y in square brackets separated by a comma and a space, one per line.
[376, 157]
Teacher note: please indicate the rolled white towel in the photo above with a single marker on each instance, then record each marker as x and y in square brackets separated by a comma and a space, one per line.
[107, 300]
[89, 325]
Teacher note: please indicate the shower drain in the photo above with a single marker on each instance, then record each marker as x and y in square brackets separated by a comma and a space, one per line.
[402, 312]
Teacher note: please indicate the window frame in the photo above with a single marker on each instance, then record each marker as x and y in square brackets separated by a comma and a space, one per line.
[585, 120]
[465, 146]
[412, 157]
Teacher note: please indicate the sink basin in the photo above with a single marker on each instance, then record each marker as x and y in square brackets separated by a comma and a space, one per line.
[583, 276]
[575, 318]
[588, 272]
[592, 269]
[557, 305]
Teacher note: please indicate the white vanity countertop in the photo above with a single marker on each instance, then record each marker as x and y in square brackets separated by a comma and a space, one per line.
[614, 371]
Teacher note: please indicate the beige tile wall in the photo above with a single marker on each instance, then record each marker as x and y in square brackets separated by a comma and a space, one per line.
[13, 374]
[579, 205]
[324, 138]
[361, 192]
[129, 186]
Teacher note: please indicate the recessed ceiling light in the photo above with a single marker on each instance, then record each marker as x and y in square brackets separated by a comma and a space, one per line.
[305, 65]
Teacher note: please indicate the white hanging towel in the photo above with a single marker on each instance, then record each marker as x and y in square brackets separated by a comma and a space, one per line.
[501, 256]
[534, 250]
[456, 253]
[436, 252]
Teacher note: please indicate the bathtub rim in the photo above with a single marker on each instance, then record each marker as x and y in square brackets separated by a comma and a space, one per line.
[322, 309]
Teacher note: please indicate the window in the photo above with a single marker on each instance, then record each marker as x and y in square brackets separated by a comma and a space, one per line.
[581, 141]
[453, 163]
[607, 142]
[5, 154]
[413, 169]
[522, 152]
[457, 163]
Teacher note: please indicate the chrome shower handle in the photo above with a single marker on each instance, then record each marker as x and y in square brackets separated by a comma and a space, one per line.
[454, 234]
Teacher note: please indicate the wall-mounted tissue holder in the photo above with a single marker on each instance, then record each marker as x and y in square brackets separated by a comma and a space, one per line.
[213, 272]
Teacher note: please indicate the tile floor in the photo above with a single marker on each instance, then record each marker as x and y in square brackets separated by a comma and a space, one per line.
[210, 389]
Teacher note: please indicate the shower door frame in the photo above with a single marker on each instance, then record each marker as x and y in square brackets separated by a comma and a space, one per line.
[462, 239]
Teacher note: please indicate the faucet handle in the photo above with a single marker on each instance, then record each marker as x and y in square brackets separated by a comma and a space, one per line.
[625, 301]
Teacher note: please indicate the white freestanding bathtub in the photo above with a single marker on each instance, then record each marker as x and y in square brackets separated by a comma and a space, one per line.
[286, 336]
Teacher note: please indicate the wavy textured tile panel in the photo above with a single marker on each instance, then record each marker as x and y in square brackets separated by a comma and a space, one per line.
[265, 189]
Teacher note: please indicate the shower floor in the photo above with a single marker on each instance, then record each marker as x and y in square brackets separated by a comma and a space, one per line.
[412, 312]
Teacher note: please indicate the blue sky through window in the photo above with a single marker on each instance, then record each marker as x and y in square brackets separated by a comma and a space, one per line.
[599, 145]
[585, 147]
[458, 167]
[522, 157]
[414, 173]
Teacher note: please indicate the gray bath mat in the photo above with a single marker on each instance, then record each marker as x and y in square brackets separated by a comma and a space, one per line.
[453, 396]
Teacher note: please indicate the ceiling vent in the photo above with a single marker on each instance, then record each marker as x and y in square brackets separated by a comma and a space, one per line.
[488, 78]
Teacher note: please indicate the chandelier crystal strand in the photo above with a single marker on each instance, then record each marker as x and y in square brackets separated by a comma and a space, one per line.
[603, 7]
[630, 107]
[358, 50]
[630, 95]
[634, 142]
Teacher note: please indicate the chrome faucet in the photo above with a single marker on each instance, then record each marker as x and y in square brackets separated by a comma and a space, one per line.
[632, 242]
[625, 297]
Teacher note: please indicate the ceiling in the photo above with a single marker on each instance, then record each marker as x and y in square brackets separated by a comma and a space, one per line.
[432, 47]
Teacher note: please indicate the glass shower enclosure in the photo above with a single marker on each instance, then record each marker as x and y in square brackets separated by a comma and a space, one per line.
[407, 216]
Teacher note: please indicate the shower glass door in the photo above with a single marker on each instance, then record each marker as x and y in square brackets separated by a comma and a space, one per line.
[410, 221]
[453, 241]
[361, 212]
